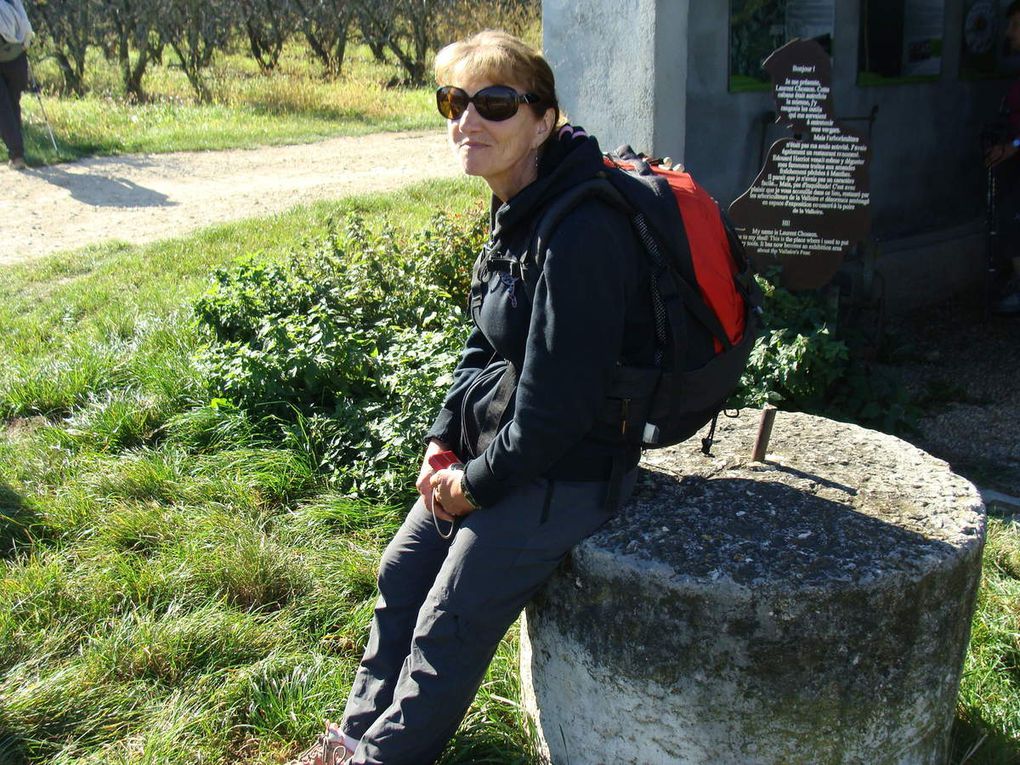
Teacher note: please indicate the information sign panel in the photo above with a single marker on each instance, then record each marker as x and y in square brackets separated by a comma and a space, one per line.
[809, 204]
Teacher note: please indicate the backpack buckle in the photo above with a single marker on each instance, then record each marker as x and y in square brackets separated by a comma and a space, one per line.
[510, 266]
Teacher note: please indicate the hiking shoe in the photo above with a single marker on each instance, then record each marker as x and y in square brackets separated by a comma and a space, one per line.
[18, 163]
[328, 749]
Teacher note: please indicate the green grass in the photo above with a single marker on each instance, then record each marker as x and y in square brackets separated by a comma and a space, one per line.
[177, 588]
[294, 104]
[109, 318]
[989, 709]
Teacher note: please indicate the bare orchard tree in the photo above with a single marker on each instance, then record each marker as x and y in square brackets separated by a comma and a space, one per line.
[268, 24]
[406, 28]
[195, 30]
[68, 26]
[133, 25]
[367, 27]
[458, 19]
[325, 24]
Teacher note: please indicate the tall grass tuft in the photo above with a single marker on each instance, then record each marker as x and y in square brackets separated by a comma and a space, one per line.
[215, 426]
[53, 386]
[171, 645]
[988, 720]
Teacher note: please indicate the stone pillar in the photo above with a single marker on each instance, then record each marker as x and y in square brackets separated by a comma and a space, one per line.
[621, 69]
[812, 608]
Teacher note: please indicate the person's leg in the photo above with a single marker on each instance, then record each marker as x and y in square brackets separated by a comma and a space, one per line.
[408, 567]
[500, 557]
[7, 113]
[13, 81]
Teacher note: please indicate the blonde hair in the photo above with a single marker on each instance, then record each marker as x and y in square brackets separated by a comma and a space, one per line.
[501, 58]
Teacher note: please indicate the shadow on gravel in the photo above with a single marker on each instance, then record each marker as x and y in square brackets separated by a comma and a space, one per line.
[960, 364]
[101, 191]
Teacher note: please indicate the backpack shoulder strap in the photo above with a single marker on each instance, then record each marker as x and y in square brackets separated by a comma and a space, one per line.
[597, 187]
[669, 289]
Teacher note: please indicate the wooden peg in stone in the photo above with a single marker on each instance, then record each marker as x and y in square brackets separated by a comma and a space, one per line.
[761, 443]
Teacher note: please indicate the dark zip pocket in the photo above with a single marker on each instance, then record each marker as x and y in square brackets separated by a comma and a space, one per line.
[468, 439]
[547, 502]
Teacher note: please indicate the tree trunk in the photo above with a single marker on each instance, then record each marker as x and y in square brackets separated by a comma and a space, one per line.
[266, 52]
[192, 68]
[317, 48]
[134, 74]
[340, 50]
[72, 77]
[131, 74]
[372, 39]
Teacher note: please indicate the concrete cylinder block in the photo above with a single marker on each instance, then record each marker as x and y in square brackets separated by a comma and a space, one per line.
[811, 608]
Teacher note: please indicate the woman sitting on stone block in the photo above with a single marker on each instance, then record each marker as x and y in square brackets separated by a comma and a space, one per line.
[528, 481]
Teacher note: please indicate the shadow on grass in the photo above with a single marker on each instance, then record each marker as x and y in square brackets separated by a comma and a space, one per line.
[18, 529]
[478, 747]
[974, 742]
[12, 746]
[39, 148]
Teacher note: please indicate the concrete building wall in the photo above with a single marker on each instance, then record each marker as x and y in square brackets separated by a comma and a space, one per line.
[926, 167]
[654, 73]
[621, 68]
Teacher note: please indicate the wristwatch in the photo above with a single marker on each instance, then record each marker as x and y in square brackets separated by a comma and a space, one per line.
[1016, 143]
[466, 491]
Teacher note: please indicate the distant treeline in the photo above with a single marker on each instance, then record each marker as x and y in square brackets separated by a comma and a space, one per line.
[136, 33]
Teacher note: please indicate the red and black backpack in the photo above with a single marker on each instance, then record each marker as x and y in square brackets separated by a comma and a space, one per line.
[704, 298]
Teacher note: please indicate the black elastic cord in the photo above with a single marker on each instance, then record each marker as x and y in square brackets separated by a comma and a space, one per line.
[706, 442]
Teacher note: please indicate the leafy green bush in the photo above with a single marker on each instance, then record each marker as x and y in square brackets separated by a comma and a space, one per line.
[345, 349]
[797, 358]
[344, 346]
[801, 363]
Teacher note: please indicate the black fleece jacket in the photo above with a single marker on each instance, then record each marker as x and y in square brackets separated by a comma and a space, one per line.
[590, 313]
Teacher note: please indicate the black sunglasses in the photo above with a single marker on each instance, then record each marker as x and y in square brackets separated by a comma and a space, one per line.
[494, 103]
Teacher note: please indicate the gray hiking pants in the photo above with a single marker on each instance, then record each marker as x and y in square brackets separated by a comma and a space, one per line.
[445, 604]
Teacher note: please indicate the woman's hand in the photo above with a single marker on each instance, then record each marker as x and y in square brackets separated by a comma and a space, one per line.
[999, 153]
[448, 493]
[424, 483]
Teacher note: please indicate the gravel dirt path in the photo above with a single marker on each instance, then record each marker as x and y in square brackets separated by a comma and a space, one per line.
[142, 198]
